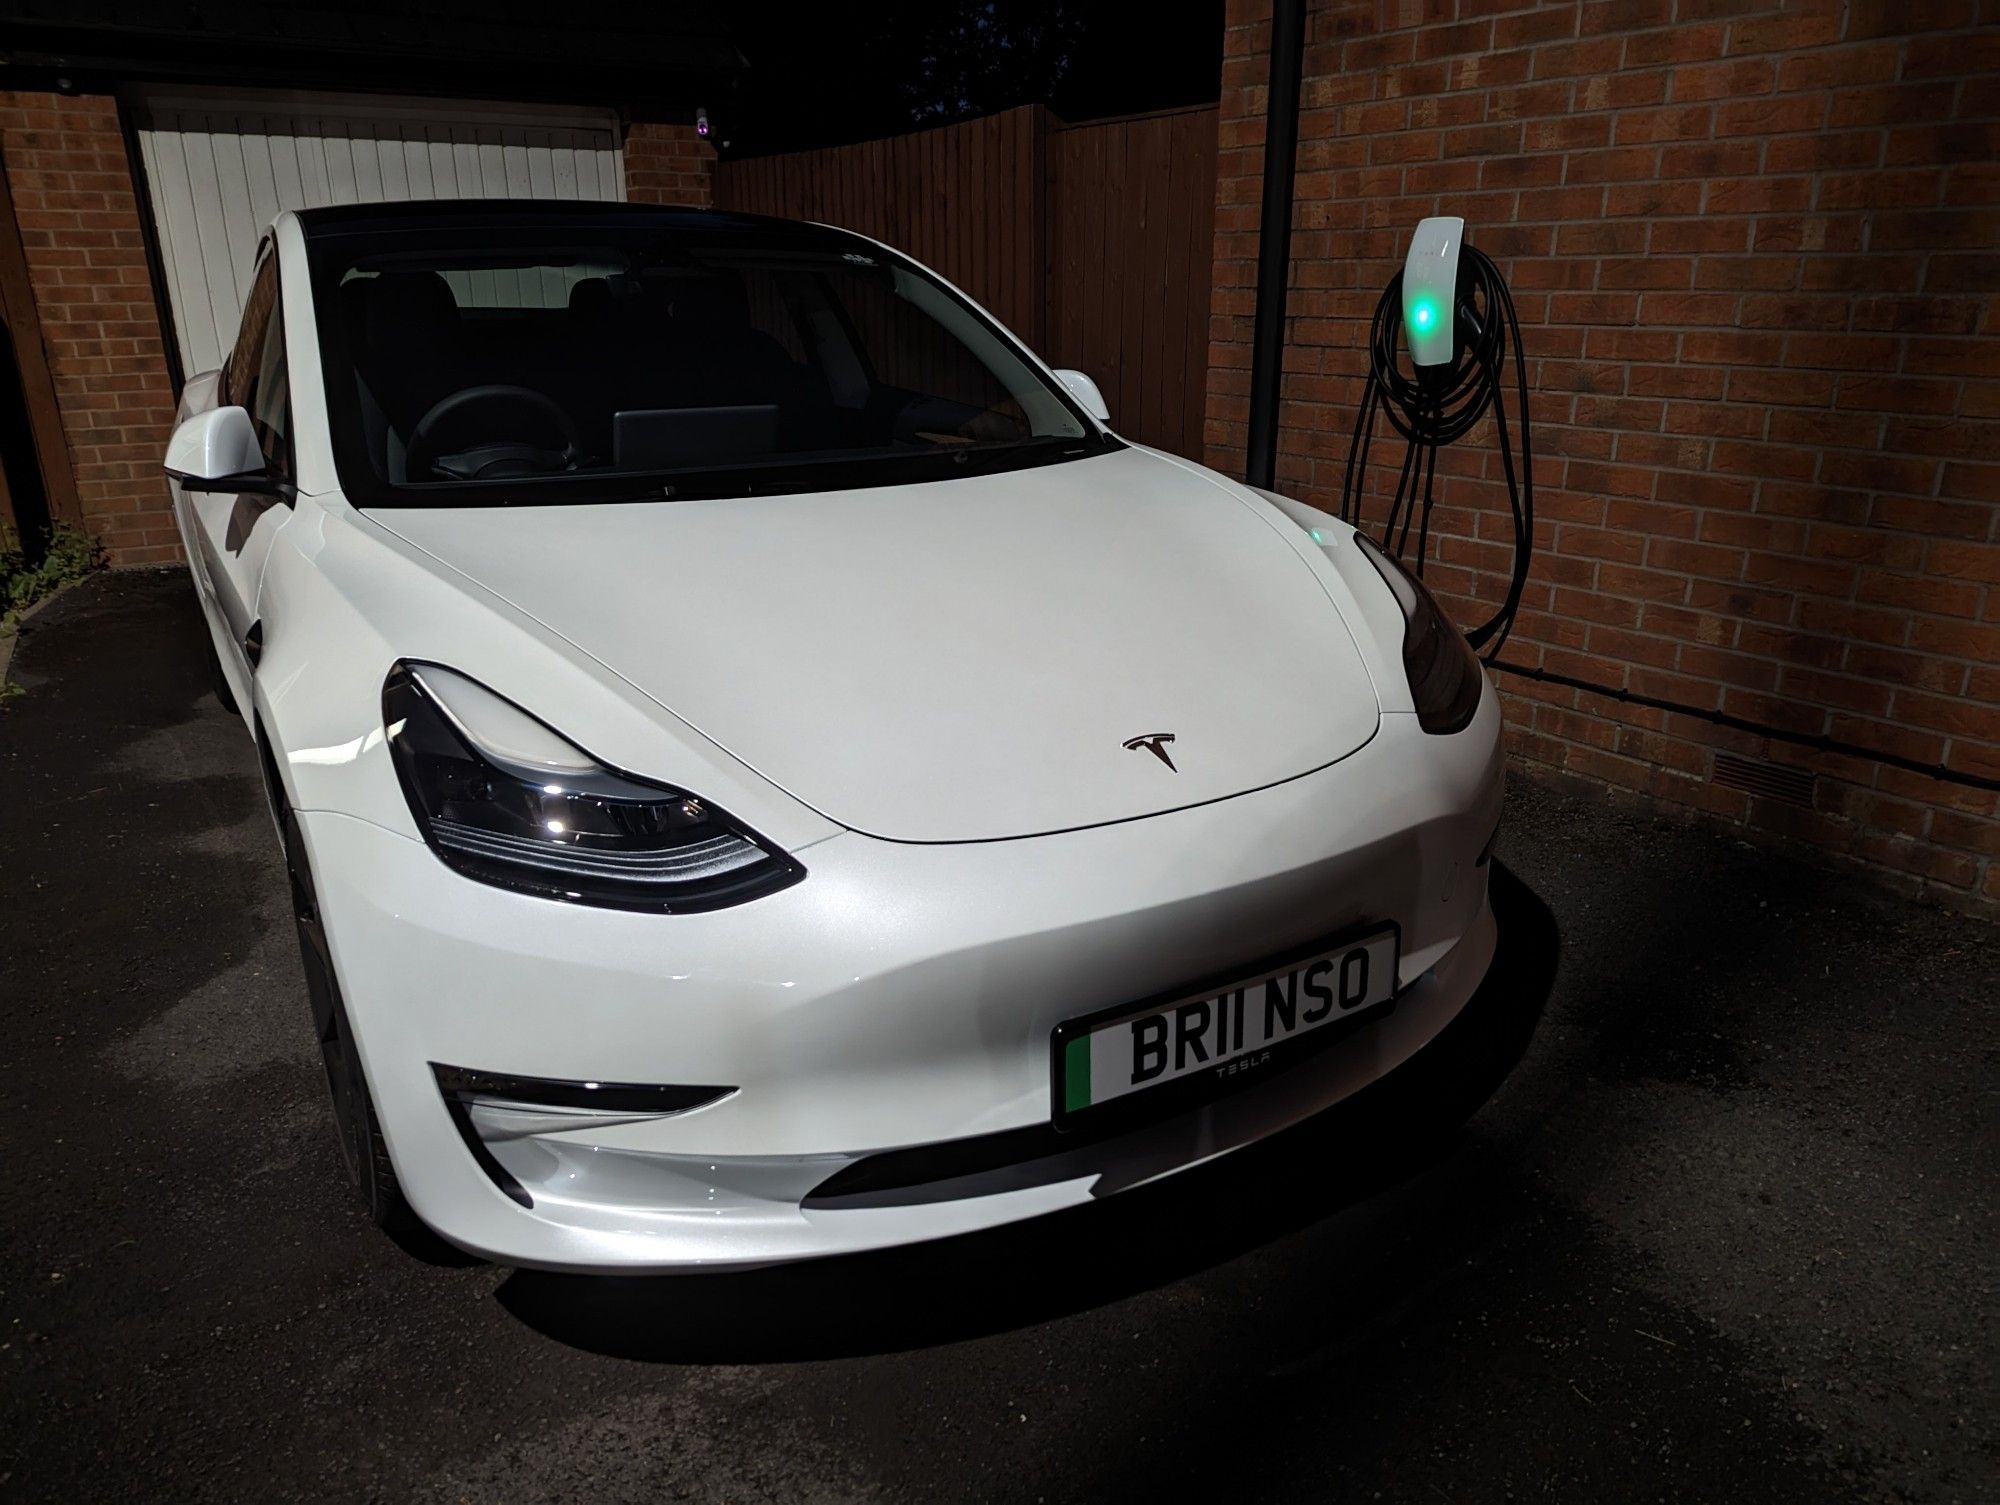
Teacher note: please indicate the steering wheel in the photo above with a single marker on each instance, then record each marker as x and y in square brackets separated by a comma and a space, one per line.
[500, 459]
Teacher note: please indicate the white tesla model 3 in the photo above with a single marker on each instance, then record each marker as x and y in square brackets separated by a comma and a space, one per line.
[765, 772]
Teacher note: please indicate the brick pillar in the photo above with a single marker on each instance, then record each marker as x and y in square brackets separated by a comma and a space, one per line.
[78, 211]
[668, 164]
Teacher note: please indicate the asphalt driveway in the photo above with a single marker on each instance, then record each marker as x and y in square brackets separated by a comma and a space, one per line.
[1726, 1232]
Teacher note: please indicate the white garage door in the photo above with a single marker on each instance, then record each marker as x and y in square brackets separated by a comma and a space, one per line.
[219, 167]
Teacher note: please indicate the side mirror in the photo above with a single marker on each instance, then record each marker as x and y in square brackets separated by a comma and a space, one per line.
[218, 451]
[1084, 390]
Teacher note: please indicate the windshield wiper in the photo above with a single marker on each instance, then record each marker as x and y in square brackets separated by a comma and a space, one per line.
[779, 476]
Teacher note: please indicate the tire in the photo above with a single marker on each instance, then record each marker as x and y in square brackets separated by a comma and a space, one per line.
[364, 1155]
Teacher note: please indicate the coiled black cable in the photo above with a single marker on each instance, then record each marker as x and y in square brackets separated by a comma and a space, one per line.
[1439, 405]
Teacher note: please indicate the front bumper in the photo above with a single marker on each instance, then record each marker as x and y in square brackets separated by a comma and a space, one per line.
[903, 995]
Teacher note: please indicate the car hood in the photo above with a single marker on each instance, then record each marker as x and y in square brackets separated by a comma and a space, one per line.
[964, 660]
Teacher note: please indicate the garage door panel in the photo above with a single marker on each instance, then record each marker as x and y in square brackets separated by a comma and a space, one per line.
[444, 163]
[541, 174]
[366, 156]
[284, 169]
[584, 164]
[216, 263]
[258, 177]
[465, 162]
[514, 151]
[311, 147]
[417, 164]
[338, 152]
[492, 170]
[417, 160]
[219, 169]
[233, 187]
[149, 159]
[562, 168]
[179, 219]
[389, 164]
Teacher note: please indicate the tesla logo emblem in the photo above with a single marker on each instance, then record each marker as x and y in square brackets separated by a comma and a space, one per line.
[1154, 743]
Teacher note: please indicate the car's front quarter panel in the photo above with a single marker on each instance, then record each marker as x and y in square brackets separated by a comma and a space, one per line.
[1372, 616]
[344, 600]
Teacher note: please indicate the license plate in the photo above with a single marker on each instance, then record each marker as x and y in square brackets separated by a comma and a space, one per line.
[1220, 1033]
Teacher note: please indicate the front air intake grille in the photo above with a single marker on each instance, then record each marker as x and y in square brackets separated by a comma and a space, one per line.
[1770, 781]
[566, 1105]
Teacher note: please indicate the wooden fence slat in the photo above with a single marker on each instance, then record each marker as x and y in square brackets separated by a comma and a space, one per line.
[1093, 242]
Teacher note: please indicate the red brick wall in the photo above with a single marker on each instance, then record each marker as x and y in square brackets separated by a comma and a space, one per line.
[79, 220]
[1756, 252]
[668, 164]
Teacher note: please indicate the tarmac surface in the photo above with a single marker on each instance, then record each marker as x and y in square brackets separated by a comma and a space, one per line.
[1726, 1232]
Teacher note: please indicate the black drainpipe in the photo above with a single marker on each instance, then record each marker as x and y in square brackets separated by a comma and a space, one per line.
[1274, 238]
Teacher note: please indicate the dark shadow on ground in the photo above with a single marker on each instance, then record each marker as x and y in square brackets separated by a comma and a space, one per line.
[1083, 1257]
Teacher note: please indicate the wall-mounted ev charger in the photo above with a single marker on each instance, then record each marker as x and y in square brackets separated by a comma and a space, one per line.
[1430, 290]
[1459, 328]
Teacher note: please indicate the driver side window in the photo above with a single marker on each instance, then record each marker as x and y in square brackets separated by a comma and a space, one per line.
[256, 377]
[241, 370]
[271, 401]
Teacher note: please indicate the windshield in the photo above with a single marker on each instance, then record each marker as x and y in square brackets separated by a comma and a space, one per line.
[545, 363]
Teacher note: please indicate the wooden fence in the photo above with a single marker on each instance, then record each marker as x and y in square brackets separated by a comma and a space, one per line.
[1093, 242]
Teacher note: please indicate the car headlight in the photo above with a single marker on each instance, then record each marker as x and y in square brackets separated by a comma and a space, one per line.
[503, 799]
[1444, 674]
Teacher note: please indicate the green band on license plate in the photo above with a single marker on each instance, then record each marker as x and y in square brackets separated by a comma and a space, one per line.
[1076, 1074]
